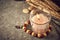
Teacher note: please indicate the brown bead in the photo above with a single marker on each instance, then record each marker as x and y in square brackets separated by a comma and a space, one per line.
[24, 28]
[39, 35]
[26, 22]
[33, 34]
[44, 34]
[49, 30]
[28, 31]
[25, 25]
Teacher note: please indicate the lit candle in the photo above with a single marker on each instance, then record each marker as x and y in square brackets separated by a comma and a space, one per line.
[40, 23]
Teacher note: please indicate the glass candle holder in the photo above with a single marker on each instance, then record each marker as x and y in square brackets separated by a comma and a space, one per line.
[39, 21]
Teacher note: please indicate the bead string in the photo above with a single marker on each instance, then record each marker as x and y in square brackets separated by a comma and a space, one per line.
[32, 33]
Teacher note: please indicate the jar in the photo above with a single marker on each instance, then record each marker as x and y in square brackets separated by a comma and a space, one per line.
[39, 21]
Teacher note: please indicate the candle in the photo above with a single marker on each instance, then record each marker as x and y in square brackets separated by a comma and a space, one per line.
[40, 23]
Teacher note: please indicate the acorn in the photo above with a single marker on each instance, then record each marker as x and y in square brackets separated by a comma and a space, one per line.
[25, 11]
[44, 34]
[30, 8]
[33, 34]
[39, 35]
[28, 31]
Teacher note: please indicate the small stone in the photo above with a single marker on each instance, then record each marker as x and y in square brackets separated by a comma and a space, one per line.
[25, 10]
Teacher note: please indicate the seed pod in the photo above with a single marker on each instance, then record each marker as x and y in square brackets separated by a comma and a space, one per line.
[39, 35]
[33, 34]
[28, 31]
[44, 34]
[25, 10]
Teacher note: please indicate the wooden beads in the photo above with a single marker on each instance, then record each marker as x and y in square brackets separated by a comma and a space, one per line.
[24, 28]
[49, 30]
[28, 31]
[39, 35]
[44, 34]
[33, 34]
